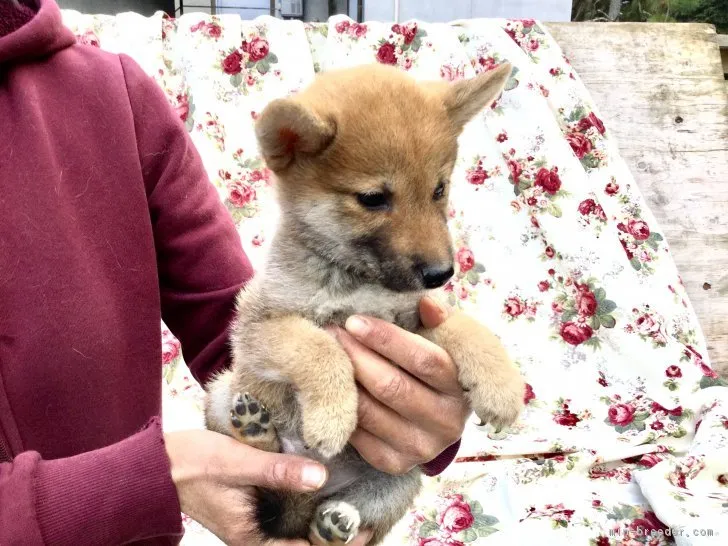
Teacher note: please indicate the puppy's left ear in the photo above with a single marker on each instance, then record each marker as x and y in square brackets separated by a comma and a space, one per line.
[465, 98]
[288, 130]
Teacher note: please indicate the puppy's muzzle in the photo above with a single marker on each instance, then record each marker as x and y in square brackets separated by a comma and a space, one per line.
[435, 275]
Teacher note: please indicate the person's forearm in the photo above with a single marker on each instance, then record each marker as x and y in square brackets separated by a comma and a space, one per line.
[117, 494]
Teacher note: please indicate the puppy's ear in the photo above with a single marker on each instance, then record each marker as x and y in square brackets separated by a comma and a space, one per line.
[464, 99]
[287, 130]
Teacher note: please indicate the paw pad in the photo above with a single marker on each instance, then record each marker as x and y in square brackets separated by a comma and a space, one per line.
[249, 418]
[337, 522]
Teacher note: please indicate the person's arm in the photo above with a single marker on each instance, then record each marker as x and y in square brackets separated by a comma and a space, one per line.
[113, 495]
[201, 262]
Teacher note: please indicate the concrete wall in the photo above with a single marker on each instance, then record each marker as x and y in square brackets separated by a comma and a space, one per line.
[449, 10]
[112, 7]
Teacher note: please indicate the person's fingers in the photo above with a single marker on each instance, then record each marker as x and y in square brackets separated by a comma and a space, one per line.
[432, 312]
[420, 357]
[396, 389]
[243, 465]
[379, 454]
[408, 439]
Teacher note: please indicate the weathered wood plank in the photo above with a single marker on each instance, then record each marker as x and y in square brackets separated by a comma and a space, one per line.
[662, 92]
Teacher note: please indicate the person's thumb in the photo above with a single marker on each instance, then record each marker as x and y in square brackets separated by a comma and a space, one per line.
[433, 312]
[286, 472]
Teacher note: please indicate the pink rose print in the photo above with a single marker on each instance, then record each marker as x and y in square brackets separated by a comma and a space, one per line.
[477, 176]
[673, 371]
[456, 517]
[170, 347]
[213, 30]
[409, 31]
[232, 63]
[580, 144]
[241, 194]
[621, 414]
[514, 307]
[543, 286]
[576, 334]
[529, 394]
[648, 525]
[548, 180]
[258, 49]
[587, 206]
[515, 169]
[612, 188]
[636, 228]
[502, 137]
[564, 416]
[586, 302]
[342, 26]
[358, 30]
[451, 73]
[386, 55]
[465, 259]
[591, 121]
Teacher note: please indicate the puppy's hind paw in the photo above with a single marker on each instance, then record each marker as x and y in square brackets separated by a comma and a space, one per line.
[336, 523]
[251, 424]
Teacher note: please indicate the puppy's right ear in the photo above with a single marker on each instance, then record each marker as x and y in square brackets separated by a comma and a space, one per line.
[287, 130]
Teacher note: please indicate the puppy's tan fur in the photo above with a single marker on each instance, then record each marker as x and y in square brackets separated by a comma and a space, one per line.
[353, 136]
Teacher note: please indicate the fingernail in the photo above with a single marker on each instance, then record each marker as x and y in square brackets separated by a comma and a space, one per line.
[313, 476]
[440, 307]
[357, 325]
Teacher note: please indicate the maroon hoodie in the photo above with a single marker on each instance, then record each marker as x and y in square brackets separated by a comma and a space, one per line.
[106, 217]
[108, 224]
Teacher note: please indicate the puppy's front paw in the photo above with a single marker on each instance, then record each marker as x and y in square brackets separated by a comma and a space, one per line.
[327, 428]
[250, 423]
[498, 398]
[336, 523]
[493, 385]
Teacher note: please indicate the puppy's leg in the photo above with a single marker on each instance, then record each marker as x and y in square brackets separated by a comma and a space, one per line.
[377, 501]
[494, 385]
[239, 415]
[295, 351]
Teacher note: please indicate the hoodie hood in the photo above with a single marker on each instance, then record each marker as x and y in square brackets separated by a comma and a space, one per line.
[31, 30]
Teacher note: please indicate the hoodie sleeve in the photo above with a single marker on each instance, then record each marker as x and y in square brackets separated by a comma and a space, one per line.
[114, 495]
[201, 262]
[442, 461]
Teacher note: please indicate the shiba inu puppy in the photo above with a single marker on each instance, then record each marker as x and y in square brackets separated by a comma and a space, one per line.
[363, 159]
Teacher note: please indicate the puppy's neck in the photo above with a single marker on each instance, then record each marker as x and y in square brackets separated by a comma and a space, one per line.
[301, 262]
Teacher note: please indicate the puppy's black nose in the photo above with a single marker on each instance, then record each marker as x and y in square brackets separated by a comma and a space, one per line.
[434, 276]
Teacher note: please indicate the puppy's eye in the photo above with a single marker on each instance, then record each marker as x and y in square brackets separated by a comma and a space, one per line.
[439, 192]
[373, 201]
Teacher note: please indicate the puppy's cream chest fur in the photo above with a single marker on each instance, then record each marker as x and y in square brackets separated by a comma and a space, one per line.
[328, 307]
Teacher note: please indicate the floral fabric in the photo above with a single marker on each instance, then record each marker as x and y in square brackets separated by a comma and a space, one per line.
[625, 436]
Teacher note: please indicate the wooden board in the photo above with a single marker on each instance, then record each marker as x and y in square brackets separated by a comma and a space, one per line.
[661, 90]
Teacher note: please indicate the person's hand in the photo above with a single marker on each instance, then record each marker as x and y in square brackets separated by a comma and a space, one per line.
[411, 406]
[214, 475]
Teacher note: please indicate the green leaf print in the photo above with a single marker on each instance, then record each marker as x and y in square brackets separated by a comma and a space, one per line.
[607, 321]
[606, 307]
[429, 528]
[236, 79]
[468, 535]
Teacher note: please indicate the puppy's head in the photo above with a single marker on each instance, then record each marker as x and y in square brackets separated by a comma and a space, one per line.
[363, 159]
